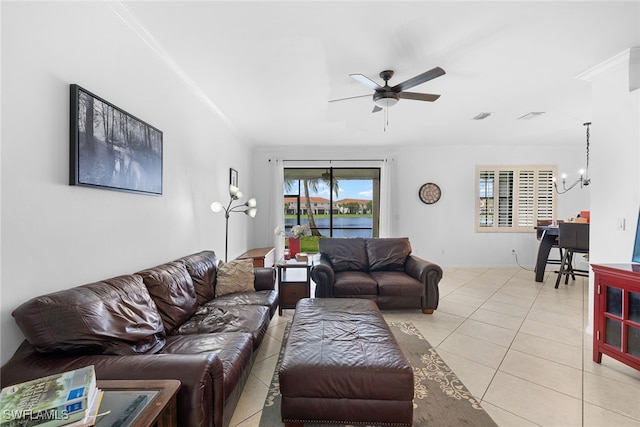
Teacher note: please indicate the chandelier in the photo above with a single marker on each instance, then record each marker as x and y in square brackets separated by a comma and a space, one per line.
[583, 180]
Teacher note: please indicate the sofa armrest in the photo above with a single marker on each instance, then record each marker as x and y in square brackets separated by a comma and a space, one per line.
[430, 275]
[201, 376]
[324, 277]
[265, 279]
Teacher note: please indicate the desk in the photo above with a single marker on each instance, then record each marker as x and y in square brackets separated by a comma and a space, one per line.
[549, 235]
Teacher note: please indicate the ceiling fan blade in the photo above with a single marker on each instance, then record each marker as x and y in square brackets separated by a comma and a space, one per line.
[366, 81]
[419, 96]
[419, 79]
[376, 109]
[349, 97]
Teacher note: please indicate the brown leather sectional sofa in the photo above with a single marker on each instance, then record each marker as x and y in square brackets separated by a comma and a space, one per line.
[380, 269]
[160, 323]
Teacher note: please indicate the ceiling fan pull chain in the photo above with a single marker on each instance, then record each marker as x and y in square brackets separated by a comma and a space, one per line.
[385, 119]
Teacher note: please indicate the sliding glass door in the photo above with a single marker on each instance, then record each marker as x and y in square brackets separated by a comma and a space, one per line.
[334, 202]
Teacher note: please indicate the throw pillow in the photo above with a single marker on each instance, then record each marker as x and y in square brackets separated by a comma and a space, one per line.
[235, 276]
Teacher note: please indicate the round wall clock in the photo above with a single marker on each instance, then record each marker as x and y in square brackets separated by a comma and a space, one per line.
[429, 193]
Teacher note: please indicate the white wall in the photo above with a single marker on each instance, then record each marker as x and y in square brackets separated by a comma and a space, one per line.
[616, 160]
[616, 153]
[56, 236]
[443, 232]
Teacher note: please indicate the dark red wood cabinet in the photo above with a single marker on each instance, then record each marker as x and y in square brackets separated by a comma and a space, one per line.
[616, 323]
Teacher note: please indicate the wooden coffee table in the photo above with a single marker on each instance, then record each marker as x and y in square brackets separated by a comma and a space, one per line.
[155, 405]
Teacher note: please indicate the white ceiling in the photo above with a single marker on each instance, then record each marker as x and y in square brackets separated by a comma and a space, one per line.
[270, 68]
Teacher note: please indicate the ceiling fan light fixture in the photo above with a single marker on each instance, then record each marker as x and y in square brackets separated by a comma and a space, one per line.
[386, 102]
[385, 99]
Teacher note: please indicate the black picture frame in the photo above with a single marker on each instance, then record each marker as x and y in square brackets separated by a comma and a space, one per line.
[121, 153]
[233, 177]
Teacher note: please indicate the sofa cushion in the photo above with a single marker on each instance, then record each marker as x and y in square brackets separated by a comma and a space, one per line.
[345, 254]
[114, 316]
[397, 283]
[171, 288]
[235, 276]
[234, 349]
[253, 319]
[350, 283]
[388, 253]
[267, 299]
[202, 268]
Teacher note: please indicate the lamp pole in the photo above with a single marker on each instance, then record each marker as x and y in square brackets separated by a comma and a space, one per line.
[226, 235]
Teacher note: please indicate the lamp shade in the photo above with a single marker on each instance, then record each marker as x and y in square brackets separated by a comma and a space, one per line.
[216, 206]
[251, 212]
[235, 192]
[252, 203]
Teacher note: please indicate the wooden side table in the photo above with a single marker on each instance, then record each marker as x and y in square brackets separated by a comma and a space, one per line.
[157, 408]
[294, 283]
[262, 257]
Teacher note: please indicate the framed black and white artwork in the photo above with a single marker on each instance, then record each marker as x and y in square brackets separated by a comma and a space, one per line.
[233, 177]
[112, 149]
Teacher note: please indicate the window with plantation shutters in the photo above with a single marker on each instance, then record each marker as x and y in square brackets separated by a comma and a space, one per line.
[513, 198]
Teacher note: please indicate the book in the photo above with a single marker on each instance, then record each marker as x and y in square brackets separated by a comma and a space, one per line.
[91, 414]
[50, 401]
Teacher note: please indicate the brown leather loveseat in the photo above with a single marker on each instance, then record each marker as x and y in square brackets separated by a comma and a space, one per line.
[164, 322]
[380, 269]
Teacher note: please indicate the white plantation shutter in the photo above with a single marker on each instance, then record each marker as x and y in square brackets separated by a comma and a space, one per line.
[505, 200]
[486, 205]
[523, 194]
[545, 207]
[526, 197]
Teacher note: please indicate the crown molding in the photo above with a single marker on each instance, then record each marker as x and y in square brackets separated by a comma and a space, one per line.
[124, 14]
[629, 58]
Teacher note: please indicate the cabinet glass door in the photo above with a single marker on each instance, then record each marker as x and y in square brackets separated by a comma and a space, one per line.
[633, 338]
[613, 319]
[620, 331]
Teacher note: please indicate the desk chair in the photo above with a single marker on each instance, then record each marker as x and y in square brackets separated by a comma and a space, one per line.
[544, 223]
[573, 238]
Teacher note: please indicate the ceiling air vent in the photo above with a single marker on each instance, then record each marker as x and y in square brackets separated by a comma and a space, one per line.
[482, 116]
[531, 115]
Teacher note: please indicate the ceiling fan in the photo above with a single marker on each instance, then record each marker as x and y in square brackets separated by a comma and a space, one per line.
[387, 96]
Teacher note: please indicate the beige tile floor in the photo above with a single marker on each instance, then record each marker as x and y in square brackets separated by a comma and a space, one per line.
[519, 346]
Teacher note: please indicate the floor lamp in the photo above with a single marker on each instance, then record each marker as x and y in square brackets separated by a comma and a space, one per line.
[248, 208]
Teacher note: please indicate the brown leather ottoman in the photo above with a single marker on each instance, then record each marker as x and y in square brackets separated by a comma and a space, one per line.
[342, 364]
